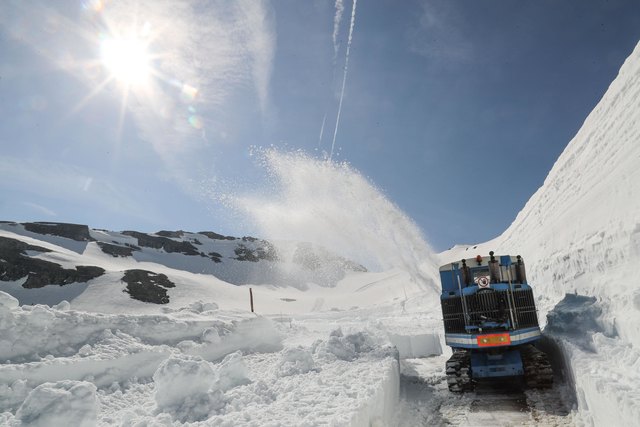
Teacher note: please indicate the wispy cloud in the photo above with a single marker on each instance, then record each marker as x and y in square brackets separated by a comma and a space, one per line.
[259, 40]
[216, 49]
[209, 54]
[208, 57]
[205, 54]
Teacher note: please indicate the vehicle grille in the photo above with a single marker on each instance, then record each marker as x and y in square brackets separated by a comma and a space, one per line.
[453, 315]
[491, 307]
[526, 308]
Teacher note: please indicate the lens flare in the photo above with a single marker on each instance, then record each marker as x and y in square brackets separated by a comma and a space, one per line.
[188, 93]
[196, 121]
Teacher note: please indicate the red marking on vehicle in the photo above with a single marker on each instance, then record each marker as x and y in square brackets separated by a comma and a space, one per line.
[493, 340]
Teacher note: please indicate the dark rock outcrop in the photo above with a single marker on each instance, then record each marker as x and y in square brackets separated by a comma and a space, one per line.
[77, 232]
[215, 256]
[266, 252]
[216, 236]
[16, 264]
[147, 286]
[174, 234]
[117, 250]
[159, 242]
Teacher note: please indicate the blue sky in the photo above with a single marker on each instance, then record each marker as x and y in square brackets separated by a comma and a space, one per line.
[455, 110]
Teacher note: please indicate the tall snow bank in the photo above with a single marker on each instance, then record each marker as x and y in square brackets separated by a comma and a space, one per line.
[603, 368]
[580, 234]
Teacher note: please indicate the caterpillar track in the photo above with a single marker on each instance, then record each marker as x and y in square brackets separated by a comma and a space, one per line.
[537, 368]
[459, 372]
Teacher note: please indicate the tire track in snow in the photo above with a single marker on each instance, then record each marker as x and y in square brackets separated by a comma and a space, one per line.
[426, 401]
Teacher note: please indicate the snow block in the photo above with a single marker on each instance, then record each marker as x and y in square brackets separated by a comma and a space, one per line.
[65, 403]
[295, 361]
[380, 408]
[191, 389]
[249, 335]
[183, 386]
[416, 345]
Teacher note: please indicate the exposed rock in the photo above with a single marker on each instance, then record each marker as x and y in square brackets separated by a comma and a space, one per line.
[266, 252]
[158, 242]
[243, 253]
[77, 232]
[215, 256]
[53, 274]
[16, 264]
[12, 248]
[353, 266]
[216, 236]
[174, 234]
[147, 286]
[117, 250]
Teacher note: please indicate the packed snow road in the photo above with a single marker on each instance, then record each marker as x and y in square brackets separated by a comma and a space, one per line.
[426, 401]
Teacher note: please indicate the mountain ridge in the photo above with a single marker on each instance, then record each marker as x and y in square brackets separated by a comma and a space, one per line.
[41, 254]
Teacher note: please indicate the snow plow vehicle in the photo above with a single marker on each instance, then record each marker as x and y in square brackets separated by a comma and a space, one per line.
[491, 323]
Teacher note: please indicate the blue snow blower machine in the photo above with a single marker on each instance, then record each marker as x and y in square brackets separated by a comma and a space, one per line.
[491, 323]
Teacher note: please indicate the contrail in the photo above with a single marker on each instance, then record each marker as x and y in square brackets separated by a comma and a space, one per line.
[324, 119]
[337, 19]
[344, 76]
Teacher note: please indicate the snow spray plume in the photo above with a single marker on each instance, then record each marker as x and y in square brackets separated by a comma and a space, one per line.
[337, 19]
[344, 76]
[332, 205]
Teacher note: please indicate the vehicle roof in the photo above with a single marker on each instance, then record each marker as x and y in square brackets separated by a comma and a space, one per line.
[473, 263]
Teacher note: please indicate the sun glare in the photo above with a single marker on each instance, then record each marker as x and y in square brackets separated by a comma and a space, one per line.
[127, 59]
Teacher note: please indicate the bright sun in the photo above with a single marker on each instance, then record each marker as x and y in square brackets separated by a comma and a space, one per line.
[127, 59]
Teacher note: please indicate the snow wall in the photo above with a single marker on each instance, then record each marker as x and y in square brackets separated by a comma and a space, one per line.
[580, 234]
